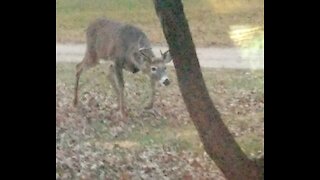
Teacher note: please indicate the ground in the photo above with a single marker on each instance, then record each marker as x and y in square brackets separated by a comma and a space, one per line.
[91, 144]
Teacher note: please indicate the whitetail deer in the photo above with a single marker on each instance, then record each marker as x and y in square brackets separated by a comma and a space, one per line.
[128, 48]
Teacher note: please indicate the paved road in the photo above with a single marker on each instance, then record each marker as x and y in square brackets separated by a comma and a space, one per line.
[234, 58]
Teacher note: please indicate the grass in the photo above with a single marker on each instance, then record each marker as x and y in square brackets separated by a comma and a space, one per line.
[209, 20]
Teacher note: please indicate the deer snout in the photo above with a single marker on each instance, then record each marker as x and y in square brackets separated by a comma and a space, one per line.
[164, 81]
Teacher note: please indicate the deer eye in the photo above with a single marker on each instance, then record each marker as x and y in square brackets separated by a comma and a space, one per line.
[153, 68]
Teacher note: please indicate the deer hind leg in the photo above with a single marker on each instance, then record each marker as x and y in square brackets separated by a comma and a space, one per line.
[90, 60]
[116, 79]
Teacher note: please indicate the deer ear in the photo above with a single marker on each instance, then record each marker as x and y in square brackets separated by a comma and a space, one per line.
[166, 57]
[141, 50]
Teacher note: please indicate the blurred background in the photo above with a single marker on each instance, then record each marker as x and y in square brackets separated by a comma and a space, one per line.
[212, 22]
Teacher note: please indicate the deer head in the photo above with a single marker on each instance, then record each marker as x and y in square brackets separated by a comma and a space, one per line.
[156, 66]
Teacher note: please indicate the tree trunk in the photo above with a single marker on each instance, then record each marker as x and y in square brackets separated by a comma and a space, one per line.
[215, 136]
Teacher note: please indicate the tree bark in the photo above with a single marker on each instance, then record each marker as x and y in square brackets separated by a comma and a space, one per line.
[215, 136]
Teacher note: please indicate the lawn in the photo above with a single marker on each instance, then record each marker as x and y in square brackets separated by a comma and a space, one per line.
[91, 144]
[211, 22]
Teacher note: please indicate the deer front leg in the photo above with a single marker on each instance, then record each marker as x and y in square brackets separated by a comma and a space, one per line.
[149, 108]
[153, 92]
[116, 78]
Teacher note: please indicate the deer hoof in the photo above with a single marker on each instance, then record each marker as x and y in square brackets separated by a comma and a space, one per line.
[75, 102]
[152, 111]
[120, 115]
[148, 107]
